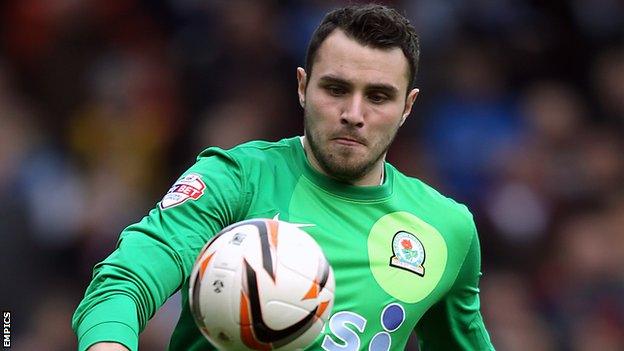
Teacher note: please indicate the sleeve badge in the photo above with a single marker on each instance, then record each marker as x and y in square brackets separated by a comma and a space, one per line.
[189, 187]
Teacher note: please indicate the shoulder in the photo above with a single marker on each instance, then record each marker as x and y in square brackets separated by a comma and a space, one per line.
[441, 207]
[256, 159]
[256, 150]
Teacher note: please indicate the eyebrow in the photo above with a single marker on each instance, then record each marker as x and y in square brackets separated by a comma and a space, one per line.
[387, 88]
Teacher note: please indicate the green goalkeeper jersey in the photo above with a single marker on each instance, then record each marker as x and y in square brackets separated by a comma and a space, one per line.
[404, 257]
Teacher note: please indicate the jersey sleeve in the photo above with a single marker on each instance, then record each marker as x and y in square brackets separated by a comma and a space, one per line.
[455, 322]
[155, 256]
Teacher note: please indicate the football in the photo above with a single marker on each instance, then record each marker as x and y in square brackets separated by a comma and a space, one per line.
[261, 284]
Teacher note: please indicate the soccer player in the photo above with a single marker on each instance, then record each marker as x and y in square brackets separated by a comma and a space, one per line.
[405, 257]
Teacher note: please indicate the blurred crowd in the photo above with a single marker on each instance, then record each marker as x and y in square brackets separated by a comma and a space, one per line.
[103, 103]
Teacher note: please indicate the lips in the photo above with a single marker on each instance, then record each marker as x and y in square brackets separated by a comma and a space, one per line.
[349, 140]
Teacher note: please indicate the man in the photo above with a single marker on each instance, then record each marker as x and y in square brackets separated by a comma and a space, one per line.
[405, 257]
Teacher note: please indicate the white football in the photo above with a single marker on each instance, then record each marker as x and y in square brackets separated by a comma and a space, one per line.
[261, 284]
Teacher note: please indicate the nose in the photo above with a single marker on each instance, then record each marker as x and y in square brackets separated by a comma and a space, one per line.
[353, 112]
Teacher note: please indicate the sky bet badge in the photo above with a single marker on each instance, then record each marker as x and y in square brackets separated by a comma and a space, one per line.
[189, 187]
[408, 253]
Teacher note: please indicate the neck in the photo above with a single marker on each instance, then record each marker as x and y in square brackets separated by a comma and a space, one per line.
[373, 178]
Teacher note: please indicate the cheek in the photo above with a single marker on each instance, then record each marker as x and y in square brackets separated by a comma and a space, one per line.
[388, 121]
[392, 112]
[321, 109]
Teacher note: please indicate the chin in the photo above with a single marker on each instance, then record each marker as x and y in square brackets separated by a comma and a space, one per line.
[347, 171]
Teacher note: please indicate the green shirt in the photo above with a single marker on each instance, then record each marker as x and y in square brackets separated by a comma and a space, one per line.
[404, 257]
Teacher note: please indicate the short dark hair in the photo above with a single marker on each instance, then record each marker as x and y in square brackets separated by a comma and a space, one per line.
[372, 25]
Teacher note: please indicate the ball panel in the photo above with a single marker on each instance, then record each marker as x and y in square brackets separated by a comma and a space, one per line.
[280, 314]
[239, 243]
[217, 290]
[298, 250]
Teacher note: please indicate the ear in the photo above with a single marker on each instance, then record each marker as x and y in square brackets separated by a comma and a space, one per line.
[409, 102]
[302, 81]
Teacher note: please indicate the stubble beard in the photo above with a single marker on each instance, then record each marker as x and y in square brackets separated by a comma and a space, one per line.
[344, 165]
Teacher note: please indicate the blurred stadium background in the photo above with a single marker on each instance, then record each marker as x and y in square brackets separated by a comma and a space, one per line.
[521, 116]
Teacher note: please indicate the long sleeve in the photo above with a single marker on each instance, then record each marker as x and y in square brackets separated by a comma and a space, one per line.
[455, 322]
[154, 257]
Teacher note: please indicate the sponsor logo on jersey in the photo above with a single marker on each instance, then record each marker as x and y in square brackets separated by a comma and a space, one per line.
[348, 330]
[408, 253]
[189, 187]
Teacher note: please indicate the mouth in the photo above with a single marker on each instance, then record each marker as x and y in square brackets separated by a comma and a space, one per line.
[349, 141]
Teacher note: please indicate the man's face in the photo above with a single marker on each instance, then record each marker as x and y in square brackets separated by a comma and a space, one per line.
[354, 103]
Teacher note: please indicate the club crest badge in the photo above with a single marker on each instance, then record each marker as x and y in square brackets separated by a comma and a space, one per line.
[189, 187]
[408, 253]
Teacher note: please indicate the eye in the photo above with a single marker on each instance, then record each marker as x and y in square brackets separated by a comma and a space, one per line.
[378, 98]
[335, 90]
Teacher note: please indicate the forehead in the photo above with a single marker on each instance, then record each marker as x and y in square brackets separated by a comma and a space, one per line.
[344, 57]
